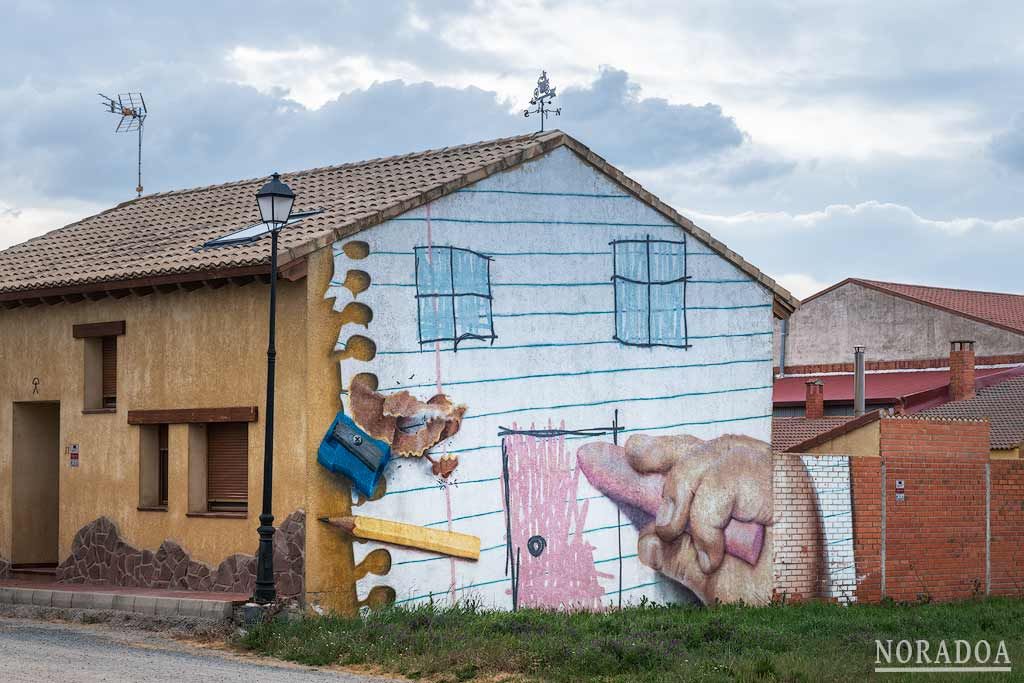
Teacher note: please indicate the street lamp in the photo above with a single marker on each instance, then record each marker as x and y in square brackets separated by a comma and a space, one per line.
[275, 201]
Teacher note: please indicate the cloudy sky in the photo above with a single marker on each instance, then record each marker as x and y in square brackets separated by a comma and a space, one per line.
[821, 140]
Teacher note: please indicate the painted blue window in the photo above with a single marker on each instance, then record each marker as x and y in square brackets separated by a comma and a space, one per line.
[453, 295]
[650, 292]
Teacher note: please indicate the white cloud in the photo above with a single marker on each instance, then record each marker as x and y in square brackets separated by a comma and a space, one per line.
[875, 240]
[801, 285]
[18, 224]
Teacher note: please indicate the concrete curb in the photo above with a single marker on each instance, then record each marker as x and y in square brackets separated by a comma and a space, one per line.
[220, 610]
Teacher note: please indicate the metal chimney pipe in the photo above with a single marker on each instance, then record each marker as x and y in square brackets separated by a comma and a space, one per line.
[783, 334]
[858, 380]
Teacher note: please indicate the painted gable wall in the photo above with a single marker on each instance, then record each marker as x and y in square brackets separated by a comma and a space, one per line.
[547, 226]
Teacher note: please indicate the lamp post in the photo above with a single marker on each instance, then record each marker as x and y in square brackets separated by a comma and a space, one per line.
[275, 201]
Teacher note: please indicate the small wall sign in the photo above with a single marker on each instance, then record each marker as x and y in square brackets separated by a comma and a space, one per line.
[73, 455]
[901, 491]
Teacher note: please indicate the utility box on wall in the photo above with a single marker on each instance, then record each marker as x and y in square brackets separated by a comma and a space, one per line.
[901, 491]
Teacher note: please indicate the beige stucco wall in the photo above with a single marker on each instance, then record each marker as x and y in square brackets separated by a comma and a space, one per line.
[826, 329]
[200, 349]
[859, 442]
[329, 558]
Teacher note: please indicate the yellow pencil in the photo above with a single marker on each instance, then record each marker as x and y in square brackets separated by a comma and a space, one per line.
[409, 535]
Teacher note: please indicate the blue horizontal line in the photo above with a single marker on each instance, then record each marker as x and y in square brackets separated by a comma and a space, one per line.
[552, 284]
[720, 282]
[575, 313]
[633, 588]
[839, 540]
[693, 423]
[456, 519]
[528, 253]
[519, 346]
[584, 372]
[463, 349]
[439, 487]
[606, 528]
[444, 592]
[335, 283]
[543, 313]
[423, 219]
[443, 557]
[548, 194]
[612, 559]
[616, 400]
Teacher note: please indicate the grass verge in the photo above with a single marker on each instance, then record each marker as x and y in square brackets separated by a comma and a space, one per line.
[806, 642]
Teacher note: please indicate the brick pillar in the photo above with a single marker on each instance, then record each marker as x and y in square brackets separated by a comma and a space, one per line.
[815, 400]
[961, 370]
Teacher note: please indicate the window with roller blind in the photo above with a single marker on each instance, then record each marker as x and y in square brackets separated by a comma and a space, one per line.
[108, 350]
[227, 466]
[100, 372]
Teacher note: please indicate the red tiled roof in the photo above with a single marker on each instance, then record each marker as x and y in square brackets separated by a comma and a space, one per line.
[994, 308]
[1002, 404]
[158, 235]
[790, 431]
[880, 387]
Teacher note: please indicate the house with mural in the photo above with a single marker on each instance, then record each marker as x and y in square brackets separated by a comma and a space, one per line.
[506, 373]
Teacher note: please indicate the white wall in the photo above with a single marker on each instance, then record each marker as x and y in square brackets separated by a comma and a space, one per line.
[554, 361]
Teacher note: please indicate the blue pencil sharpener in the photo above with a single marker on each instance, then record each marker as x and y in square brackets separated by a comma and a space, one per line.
[346, 449]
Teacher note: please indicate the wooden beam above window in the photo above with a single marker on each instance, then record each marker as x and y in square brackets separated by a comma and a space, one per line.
[113, 328]
[192, 415]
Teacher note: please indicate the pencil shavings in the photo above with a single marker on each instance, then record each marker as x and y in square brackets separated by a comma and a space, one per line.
[409, 425]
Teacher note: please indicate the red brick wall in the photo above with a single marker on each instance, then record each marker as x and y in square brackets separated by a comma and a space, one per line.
[935, 539]
[1008, 527]
[866, 480]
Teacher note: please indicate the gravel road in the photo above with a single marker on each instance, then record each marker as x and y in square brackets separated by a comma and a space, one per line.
[50, 652]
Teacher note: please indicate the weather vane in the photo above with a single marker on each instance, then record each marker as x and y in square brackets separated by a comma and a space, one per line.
[543, 94]
[132, 110]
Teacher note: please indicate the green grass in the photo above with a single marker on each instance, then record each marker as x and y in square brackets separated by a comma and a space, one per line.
[808, 642]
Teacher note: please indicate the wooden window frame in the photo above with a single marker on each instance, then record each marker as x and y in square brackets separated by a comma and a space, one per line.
[154, 467]
[224, 493]
[101, 361]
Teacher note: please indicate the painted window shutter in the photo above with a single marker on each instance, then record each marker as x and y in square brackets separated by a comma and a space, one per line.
[227, 462]
[109, 372]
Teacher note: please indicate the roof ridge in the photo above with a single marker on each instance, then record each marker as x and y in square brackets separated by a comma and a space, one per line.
[539, 136]
[945, 289]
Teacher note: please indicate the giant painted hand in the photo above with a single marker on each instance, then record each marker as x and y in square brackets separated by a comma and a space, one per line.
[711, 503]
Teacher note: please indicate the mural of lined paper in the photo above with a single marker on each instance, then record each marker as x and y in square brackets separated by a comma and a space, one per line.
[560, 310]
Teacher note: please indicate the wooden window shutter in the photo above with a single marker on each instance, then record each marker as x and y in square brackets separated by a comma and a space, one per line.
[162, 464]
[109, 372]
[227, 464]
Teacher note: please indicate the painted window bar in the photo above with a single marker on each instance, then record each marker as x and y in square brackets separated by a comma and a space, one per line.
[453, 293]
[647, 334]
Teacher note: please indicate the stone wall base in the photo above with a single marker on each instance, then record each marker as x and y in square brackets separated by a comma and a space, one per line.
[100, 557]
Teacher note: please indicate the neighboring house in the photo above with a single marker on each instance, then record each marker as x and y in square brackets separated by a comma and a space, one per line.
[903, 327]
[950, 480]
[903, 392]
[549, 307]
[1002, 405]
[906, 331]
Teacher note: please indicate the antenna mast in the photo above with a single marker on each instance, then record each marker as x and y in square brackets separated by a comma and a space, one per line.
[131, 107]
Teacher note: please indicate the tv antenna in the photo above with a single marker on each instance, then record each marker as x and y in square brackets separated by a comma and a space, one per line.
[543, 95]
[131, 107]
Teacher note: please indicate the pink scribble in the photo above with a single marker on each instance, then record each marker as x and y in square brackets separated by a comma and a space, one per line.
[543, 481]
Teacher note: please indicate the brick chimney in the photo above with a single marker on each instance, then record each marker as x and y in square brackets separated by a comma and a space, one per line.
[815, 401]
[961, 370]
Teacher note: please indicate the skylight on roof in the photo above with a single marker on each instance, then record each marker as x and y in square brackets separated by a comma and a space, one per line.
[254, 232]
